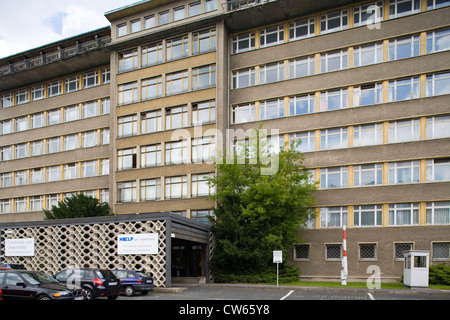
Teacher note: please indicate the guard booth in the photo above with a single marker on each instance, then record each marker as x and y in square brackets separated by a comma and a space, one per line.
[416, 268]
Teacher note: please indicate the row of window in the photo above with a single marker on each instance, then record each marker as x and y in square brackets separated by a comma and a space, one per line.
[367, 54]
[166, 85]
[56, 88]
[69, 142]
[370, 251]
[164, 17]
[40, 202]
[173, 188]
[169, 118]
[335, 99]
[56, 116]
[378, 215]
[394, 173]
[168, 50]
[367, 14]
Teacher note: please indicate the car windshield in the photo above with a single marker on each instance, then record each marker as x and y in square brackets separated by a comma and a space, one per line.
[105, 274]
[36, 278]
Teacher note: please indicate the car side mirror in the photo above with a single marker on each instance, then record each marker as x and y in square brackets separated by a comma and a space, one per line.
[21, 284]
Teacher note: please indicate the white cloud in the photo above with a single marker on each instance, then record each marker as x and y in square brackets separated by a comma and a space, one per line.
[79, 20]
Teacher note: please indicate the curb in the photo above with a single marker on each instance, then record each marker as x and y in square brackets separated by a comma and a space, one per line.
[170, 290]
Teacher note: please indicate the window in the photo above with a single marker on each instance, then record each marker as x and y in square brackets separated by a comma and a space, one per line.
[368, 14]
[177, 48]
[20, 178]
[106, 106]
[53, 117]
[400, 8]
[126, 191]
[177, 152]
[333, 217]
[90, 79]
[89, 139]
[333, 61]
[104, 136]
[52, 200]
[302, 105]
[176, 187]
[404, 172]
[179, 13]
[244, 43]
[438, 127]
[151, 156]
[367, 95]
[243, 78]
[71, 142]
[135, 26]
[37, 148]
[89, 169]
[368, 216]
[21, 124]
[334, 21]
[333, 251]
[204, 41]
[438, 84]
[122, 30]
[176, 117]
[435, 4]
[21, 150]
[176, 83]
[438, 212]
[307, 139]
[204, 77]
[403, 131]
[152, 88]
[72, 84]
[21, 204]
[441, 250]
[368, 175]
[5, 153]
[53, 145]
[71, 171]
[22, 96]
[195, 8]
[36, 203]
[6, 180]
[37, 93]
[403, 214]
[400, 248]
[333, 139]
[302, 67]
[149, 22]
[71, 113]
[203, 112]
[128, 93]
[5, 206]
[271, 36]
[203, 149]
[438, 40]
[104, 166]
[151, 122]
[301, 252]
[333, 100]
[6, 100]
[150, 189]
[152, 54]
[90, 109]
[200, 185]
[271, 109]
[368, 54]
[367, 135]
[333, 178]
[128, 60]
[302, 29]
[404, 48]
[367, 251]
[244, 113]
[164, 17]
[271, 73]
[53, 173]
[6, 126]
[54, 88]
[126, 159]
[438, 169]
[210, 5]
[106, 75]
[37, 120]
[201, 216]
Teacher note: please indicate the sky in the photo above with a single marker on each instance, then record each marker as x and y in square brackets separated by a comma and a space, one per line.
[28, 24]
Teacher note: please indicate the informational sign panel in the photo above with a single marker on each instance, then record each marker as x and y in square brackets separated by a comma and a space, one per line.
[19, 247]
[146, 243]
[278, 257]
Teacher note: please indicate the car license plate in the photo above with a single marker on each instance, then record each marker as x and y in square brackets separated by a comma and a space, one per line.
[149, 281]
[113, 283]
[78, 298]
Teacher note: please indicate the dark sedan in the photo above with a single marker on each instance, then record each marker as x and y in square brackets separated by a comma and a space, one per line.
[35, 285]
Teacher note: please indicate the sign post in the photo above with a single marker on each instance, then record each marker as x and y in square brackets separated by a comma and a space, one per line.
[277, 258]
[344, 271]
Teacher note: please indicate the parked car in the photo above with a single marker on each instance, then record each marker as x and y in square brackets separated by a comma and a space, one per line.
[134, 281]
[35, 285]
[96, 282]
[16, 266]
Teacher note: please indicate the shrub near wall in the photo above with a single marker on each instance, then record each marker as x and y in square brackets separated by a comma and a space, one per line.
[440, 274]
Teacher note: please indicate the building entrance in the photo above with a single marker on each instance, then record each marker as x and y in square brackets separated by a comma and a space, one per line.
[188, 259]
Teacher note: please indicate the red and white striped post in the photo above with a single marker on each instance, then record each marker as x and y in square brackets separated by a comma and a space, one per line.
[344, 271]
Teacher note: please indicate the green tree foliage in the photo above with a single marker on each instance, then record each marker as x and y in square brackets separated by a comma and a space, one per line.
[77, 206]
[258, 209]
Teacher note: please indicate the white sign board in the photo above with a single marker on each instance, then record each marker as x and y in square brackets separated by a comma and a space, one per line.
[146, 243]
[278, 257]
[19, 247]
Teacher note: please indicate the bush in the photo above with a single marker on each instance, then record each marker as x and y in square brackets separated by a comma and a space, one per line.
[440, 274]
[287, 274]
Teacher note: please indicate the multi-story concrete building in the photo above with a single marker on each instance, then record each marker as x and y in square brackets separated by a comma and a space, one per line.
[364, 84]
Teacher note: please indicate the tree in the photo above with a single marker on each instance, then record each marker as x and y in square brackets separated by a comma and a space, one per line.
[77, 206]
[257, 212]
